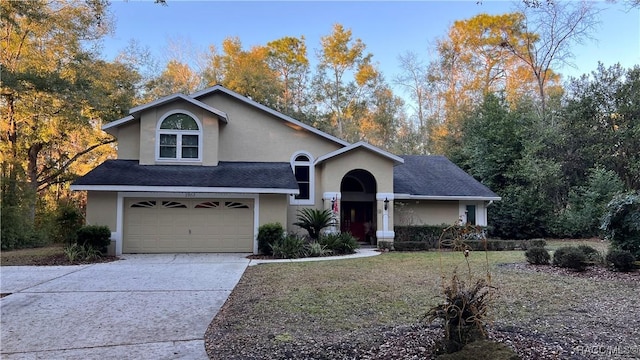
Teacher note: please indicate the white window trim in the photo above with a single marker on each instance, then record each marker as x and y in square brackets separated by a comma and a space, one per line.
[481, 212]
[312, 178]
[179, 134]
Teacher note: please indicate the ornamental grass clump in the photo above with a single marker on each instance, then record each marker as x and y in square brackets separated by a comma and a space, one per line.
[289, 247]
[464, 312]
[339, 243]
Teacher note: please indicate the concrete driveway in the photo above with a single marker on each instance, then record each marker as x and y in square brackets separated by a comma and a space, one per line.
[139, 307]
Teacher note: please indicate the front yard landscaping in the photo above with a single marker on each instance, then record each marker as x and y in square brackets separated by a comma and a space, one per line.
[52, 255]
[373, 308]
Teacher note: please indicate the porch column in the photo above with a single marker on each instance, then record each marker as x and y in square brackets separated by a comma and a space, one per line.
[331, 201]
[385, 208]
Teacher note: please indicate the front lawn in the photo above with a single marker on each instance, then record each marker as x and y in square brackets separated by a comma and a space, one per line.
[52, 255]
[34, 256]
[372, 308]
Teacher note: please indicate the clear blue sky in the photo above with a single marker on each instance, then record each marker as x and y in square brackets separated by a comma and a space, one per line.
[387, 28]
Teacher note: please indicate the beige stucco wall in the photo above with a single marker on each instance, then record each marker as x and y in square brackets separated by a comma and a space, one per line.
[128, 136]
[254, 135]
[425, 212]
[102, 208]
[273, 209]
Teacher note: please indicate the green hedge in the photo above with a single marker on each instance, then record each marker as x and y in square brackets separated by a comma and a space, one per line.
[426, 233]
[411, 246]
[492, 245]
[427, 237]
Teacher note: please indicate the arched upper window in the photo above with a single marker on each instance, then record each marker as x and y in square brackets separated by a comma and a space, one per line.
[302, 165]
[179, 138]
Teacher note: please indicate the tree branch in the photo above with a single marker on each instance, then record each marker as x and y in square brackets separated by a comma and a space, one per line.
[48, 180]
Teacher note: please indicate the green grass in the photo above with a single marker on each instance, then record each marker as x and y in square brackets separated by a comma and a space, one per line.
[30, 256]
[350, 294]
[313, 300]
[601, 246]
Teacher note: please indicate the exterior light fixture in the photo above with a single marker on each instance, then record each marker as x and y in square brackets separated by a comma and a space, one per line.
[386, 204]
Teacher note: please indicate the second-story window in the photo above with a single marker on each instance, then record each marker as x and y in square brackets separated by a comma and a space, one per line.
[179, 138]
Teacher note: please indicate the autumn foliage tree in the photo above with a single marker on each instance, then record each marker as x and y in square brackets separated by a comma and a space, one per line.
[288, 58]
[55, 93]
[244, 71]
[345, 75]
[473, 61]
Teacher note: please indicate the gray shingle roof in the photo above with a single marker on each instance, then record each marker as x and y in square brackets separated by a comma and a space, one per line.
[436, 176]
[251, 175]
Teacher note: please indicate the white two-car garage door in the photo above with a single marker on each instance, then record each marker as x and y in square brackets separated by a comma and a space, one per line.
[187, 225]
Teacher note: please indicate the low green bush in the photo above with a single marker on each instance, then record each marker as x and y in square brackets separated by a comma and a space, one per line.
[570, 257]
[386, 245]
[95, 236]
[537, 256]
[621, 260]
[268, 234]
[342, 243]
[592, 255]
[289, 247]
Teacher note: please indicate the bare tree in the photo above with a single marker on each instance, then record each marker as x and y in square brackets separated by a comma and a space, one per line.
[551, 29]
[413, 79]
[425, 100]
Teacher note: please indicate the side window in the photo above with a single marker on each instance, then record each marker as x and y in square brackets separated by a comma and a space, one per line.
[179, 138]
[302, 166]
[471, 214]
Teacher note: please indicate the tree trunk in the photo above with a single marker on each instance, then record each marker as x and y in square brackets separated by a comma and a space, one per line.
[32, 173]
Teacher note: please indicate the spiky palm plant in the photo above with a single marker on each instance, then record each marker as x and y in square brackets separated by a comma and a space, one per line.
[314, 220]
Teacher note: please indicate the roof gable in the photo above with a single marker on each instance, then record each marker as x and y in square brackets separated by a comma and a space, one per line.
[134, 113]
[361, 145]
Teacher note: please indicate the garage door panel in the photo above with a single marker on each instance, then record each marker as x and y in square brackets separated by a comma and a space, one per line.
[188, 225]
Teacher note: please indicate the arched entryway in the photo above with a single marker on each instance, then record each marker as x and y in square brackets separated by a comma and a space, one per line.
[358, 211]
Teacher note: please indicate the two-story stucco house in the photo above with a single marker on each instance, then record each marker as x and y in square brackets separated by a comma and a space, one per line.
[201, 173]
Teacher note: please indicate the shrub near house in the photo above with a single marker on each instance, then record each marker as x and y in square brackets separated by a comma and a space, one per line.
[273, 241]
